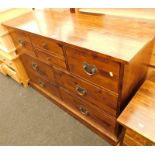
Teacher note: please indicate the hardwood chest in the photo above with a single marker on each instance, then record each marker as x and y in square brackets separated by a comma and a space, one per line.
[85, 64]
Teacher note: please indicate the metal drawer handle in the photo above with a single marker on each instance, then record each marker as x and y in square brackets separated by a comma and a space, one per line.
[45, 46]
[84, 111]
[21, 42]
[41, 83]
[89, 69]
[81, 91]
[35, 66]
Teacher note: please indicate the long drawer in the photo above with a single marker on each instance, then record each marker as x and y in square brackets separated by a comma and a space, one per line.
[91, 112]
[99, 97]
[94, 68]
[37, 67]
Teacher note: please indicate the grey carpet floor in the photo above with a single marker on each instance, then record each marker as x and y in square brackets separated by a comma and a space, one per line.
[28, 118]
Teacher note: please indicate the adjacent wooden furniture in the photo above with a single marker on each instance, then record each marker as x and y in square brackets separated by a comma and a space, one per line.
[11, 64]
[138, 118]
[89, 65]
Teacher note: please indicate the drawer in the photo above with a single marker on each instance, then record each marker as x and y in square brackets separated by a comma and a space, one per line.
[46, 44]
[94, 68]
[99, 97]
[51, 60]
[89, 111]
[37, 67]
[128, 141]
[45, 85]
[22, 42]
[138, 138]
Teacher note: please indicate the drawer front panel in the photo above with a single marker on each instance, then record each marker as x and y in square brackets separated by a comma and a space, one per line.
[94, 68]
[138, 138]
[22, 42]
[46, 44]
[36, 67]
[91, 112]
[50, 59]
[43, 84]
[99, 97]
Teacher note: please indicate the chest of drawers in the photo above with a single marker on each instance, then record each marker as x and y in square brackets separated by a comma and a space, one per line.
[138, 117]
[91, 82]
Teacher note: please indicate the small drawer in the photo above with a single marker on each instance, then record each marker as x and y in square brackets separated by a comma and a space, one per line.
[46, 44]
[138, 138]
[99, 97]
[43, 84]
[22, 42]
[37, 67]
[128, 141]
[89, 111]
[94, 68]
[50, 59]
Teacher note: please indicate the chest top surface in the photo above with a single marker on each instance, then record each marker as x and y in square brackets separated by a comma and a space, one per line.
[115, 37]
[139, 115]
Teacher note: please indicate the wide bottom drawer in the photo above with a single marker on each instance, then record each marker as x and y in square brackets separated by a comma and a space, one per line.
[89, 111]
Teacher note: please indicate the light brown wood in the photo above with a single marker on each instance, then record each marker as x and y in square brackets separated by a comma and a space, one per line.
[50, 59]
[34, 66]
[90, 112]
[118, 38]
[99, 97]
[46, 44]
[107, 71]
[139, 115]
[98, 52]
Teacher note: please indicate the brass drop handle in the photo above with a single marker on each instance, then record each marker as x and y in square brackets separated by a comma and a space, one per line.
[35, 66]
[41, 83]
[83, 111]
[21, 42]
[89, 69]
[80, 91]
[45, 45]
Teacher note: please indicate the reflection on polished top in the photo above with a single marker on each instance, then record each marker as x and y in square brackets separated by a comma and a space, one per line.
[115, 37]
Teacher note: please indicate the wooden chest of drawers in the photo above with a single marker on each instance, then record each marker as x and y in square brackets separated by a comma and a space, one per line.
[138, 118]
[91, 85]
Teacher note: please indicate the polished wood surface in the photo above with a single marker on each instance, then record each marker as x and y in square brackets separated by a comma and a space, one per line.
[107, 71]
[118, 38]
[139, 115]
[91, 112]
[89, 59]
[101, 98]
[34, 66]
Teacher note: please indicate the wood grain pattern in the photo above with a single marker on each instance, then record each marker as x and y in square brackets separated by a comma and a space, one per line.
[103, 66]
[118, 38]
[102, 54]
[34, 66]
[46, 44]
[99, 97]
[139, 115]
[90, 112]
[50, 59]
